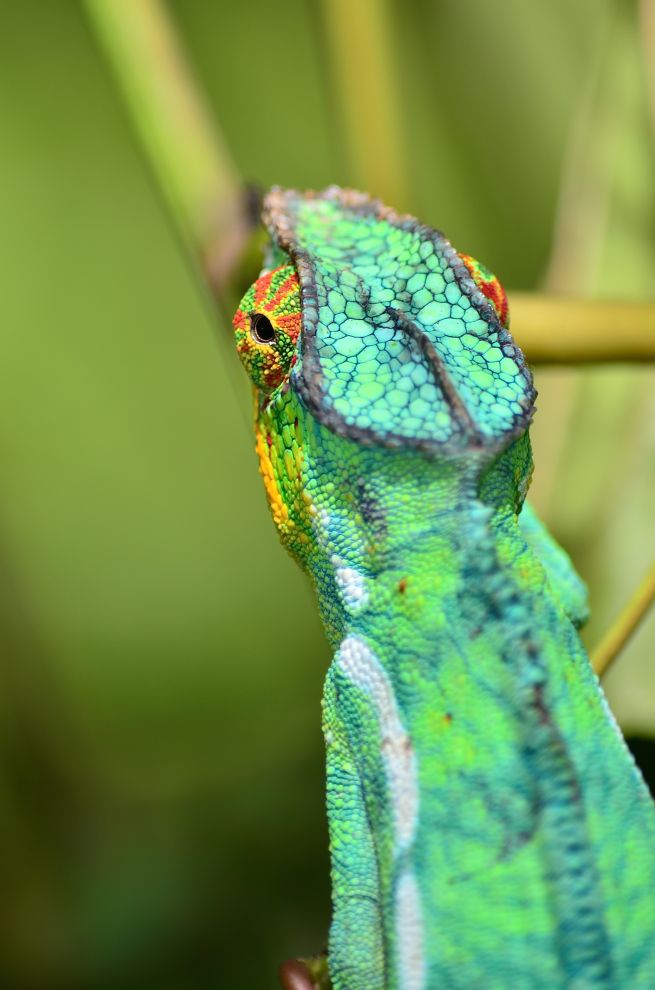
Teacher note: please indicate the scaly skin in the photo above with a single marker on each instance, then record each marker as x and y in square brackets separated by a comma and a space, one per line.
[488, 826]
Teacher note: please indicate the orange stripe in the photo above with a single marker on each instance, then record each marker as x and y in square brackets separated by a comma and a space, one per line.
[288, 286]
[261, 288]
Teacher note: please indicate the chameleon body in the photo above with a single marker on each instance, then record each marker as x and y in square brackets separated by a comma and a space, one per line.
[488, 827]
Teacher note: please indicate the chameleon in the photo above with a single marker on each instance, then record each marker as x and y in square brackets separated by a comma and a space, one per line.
[488, 826]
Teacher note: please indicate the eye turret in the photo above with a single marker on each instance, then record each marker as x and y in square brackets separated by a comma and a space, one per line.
[267, 326]
[261, 328]
[490, 286]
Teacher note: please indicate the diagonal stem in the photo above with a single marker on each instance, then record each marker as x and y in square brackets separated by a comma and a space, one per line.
[191, 162]
[626, 624]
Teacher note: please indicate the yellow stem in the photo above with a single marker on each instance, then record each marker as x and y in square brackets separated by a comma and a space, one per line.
[559, 330]
[625, 625]
[363, 55]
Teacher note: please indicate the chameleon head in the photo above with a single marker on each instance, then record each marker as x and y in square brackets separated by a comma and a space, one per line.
[374, 329]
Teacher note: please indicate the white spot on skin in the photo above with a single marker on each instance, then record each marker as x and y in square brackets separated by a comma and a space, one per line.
[323, 518]
[364, 669]
[351, 585]
[411, 958]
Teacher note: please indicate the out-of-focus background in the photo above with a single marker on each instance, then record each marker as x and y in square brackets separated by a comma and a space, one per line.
[161, 780]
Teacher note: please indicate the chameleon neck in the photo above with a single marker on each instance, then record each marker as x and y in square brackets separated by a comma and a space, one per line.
[390, 544]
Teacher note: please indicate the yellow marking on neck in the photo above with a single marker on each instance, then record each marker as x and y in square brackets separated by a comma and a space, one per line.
[279, 450]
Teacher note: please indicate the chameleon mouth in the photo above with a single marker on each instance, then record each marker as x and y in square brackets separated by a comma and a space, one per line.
[399, 348]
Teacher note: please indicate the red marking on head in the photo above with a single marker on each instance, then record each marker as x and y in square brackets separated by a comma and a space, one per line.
[290, 323]
[262, 286]
[239, 319]
[489, 287]
[290, 285]
[495, 293]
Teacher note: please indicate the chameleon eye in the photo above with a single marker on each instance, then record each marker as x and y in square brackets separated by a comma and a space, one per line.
[261, 328]
[489, 285]
[267, 326]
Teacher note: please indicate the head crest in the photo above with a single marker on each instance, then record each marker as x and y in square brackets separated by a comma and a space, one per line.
[398, 347]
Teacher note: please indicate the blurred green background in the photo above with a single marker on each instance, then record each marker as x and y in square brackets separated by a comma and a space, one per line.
[161, 780]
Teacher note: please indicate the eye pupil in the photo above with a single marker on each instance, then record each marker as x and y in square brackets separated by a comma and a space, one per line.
[262, 329]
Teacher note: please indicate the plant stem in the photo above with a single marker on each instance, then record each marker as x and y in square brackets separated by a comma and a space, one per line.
[625, 625]
[191, 162]
[647, 34]
[559, 330]
[363, 54]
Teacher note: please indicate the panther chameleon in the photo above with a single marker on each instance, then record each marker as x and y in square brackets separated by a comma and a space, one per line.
[488, 826]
